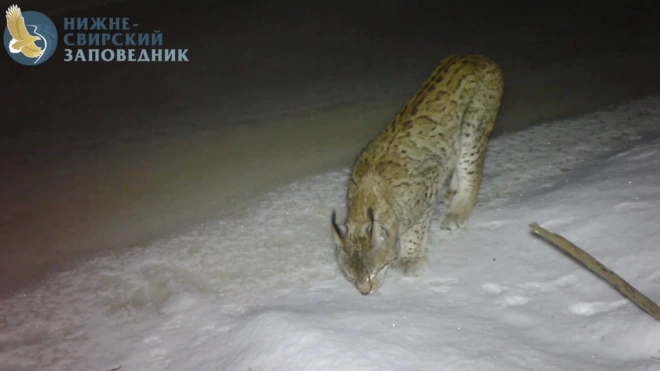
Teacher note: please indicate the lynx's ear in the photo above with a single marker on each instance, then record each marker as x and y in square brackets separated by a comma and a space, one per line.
[338, 231]
[378, 233]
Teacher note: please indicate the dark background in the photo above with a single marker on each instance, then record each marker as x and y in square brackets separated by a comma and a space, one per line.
[221, 36]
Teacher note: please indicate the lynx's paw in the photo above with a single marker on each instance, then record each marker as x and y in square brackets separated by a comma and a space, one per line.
[412, 267]
[453, 221]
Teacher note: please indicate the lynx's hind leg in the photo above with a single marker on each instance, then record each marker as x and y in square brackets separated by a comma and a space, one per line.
[478, 122]
[412, 248]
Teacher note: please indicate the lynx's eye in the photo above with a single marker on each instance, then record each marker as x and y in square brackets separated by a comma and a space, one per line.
[377, 271]
[348, 275]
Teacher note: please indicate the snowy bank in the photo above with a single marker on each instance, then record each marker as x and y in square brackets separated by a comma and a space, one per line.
[262, 291]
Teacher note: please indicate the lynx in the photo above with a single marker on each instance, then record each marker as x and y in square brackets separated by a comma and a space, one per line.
[441, 131]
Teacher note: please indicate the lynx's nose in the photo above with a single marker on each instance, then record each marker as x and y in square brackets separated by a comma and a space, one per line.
[365, 288]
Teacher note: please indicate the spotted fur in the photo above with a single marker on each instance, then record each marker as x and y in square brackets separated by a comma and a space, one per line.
[442, 131]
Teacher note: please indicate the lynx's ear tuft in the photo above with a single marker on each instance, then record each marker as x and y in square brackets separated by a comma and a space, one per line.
[338, 231]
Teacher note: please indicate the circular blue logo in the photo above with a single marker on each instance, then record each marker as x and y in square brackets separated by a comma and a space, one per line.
[30, 37]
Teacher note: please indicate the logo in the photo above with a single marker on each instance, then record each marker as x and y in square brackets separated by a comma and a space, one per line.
[114, 39]
[30, 38]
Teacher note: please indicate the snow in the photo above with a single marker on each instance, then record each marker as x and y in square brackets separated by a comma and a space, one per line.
[262, 291]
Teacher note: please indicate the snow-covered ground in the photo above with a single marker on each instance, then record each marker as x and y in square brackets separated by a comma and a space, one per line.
[262, 291]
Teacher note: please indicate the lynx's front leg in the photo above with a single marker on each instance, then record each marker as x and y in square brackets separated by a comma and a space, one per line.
[412, 248]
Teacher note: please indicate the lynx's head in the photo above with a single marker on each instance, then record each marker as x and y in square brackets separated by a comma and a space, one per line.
[364, 252]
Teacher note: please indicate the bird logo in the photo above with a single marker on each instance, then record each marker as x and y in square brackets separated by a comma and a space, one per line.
[22, 41]
[30, 37]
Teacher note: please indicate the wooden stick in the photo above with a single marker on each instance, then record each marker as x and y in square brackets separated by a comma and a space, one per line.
[595, 266]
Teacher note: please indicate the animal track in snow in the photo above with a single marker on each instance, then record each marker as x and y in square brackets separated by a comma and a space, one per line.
[441, 285]
[566, 281]
[525, 291]
[492, 225]
[152, 340]
[493, 288]
[595, 307]
[513, 301]
[543, 287]
[558, 222]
